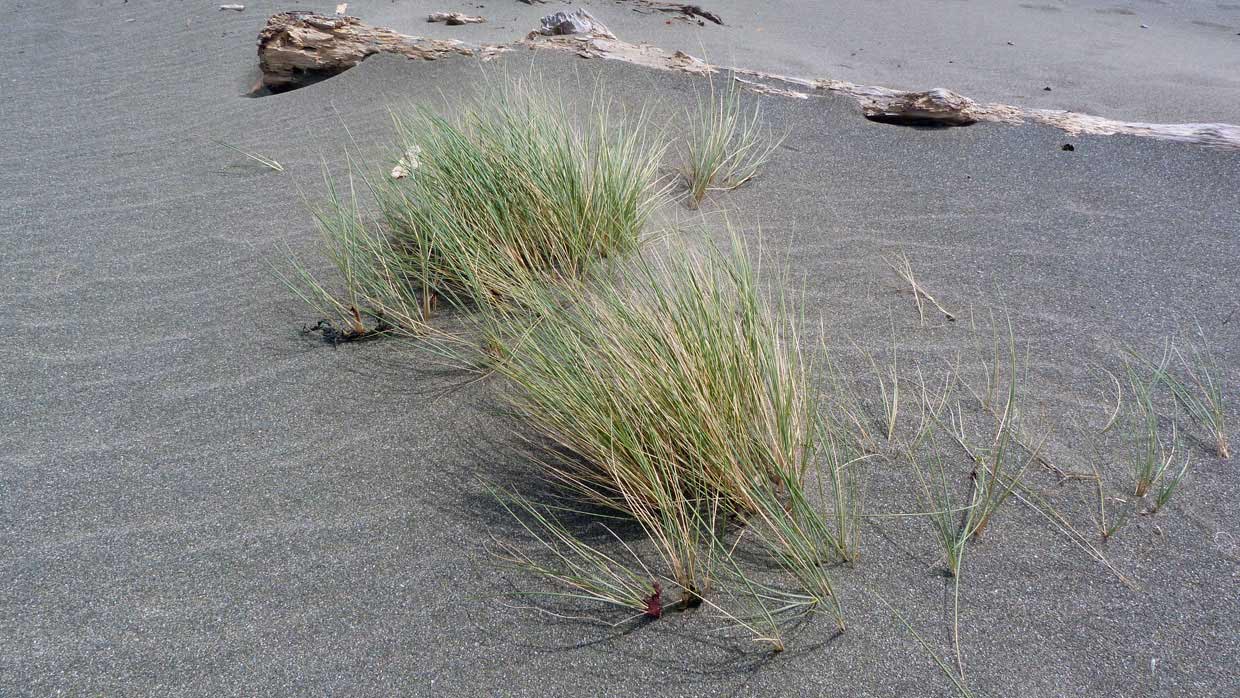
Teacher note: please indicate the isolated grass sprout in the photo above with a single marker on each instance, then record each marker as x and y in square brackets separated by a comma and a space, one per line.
[998, 465]
[955, 676]
[937, 493]
[888, 390]
[727, 144]
[269, 163]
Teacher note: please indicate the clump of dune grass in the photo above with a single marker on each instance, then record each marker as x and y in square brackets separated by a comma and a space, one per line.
[512, 192]
[666, 382]
[727, 145]
[671, 392]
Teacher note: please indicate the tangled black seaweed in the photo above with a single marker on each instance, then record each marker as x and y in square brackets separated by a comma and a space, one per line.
[330, 334]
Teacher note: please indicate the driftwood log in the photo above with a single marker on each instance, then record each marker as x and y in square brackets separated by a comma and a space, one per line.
[682, 9]
[299, 47]
[455, 19]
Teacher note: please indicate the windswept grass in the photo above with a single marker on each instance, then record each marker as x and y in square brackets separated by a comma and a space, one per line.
[903, 267]
[508, 194]
[727, 145]
[671, 392]
[668, 383]
[668, 388]
[584, 569]
[269, 163]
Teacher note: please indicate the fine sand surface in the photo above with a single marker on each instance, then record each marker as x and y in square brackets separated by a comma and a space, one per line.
[1094, 55]
[196, 500]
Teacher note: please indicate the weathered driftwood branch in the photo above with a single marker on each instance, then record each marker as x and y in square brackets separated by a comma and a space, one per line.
[295, 46]
[680, 8]
[455, 19]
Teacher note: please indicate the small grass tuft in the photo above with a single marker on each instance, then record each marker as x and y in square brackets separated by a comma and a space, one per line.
[583, 568]
[889, 390]
[998, 466]
[728, 145]
[1152, 459]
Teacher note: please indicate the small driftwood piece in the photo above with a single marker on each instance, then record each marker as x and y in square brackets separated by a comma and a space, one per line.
[296, 47]
[454, 19]
[680, 8]
[937, 107]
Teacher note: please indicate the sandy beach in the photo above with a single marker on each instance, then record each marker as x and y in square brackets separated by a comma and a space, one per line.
[1137, 60]
[198, 500]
